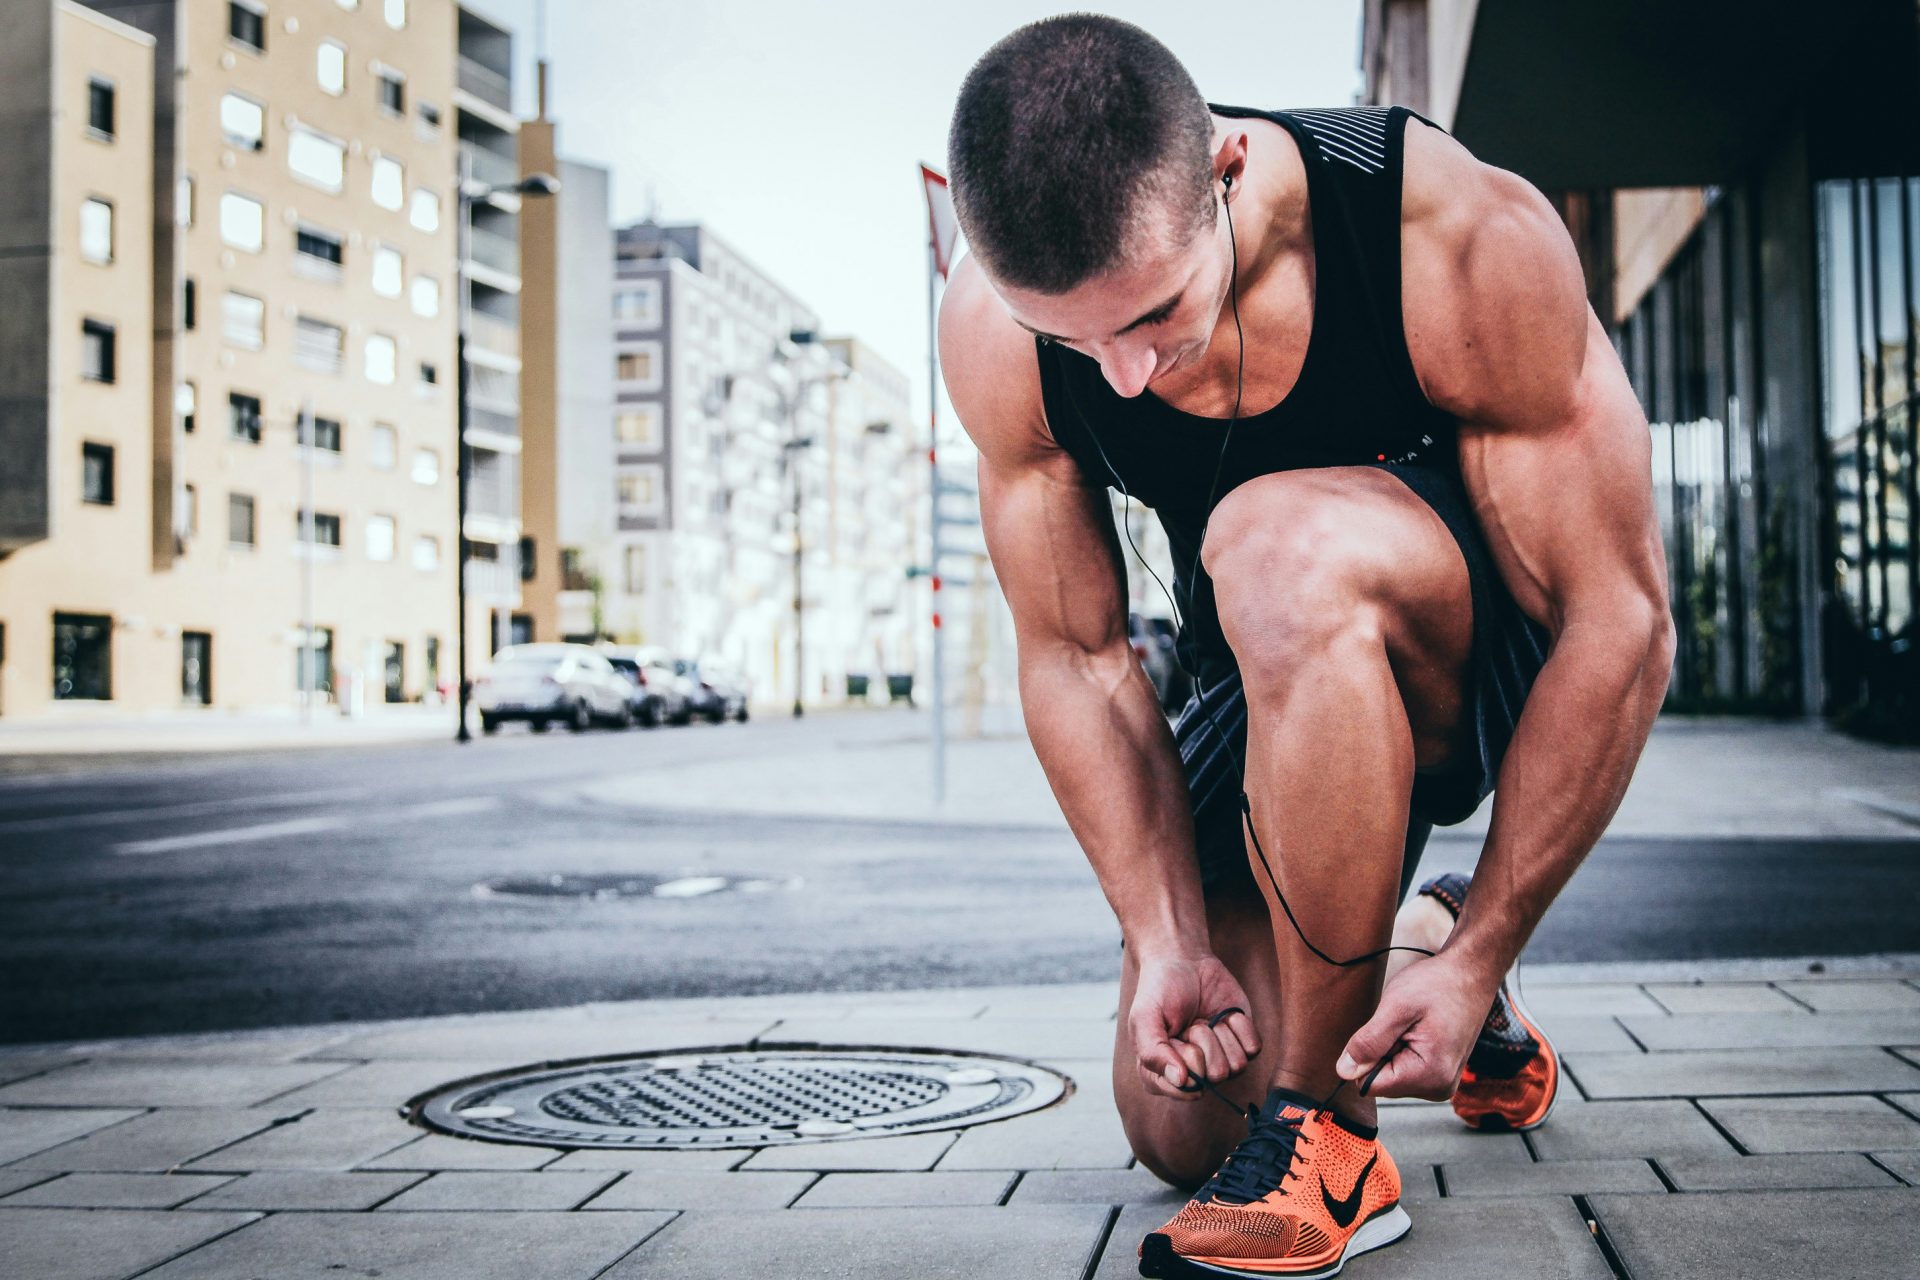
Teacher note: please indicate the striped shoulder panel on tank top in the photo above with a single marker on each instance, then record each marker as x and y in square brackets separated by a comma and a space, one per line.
[1351, 135]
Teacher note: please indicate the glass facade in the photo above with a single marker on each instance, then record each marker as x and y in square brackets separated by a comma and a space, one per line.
[1869, 263]
[1692, 350]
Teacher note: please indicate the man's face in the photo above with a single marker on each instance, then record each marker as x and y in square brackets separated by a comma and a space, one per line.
[1153, 314]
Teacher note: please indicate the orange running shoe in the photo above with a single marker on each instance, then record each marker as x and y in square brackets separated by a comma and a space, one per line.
[1513, 1074]
[1302, 1193]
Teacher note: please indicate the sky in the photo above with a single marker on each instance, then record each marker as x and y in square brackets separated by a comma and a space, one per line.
[794, 130]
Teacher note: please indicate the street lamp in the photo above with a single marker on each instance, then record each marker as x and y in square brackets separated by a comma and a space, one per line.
[468, 195]
[790, 451]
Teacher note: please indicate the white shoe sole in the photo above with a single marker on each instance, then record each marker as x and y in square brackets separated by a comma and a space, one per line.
[1376, 1233]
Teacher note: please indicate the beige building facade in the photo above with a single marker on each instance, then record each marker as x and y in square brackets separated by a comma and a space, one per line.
[281, 291]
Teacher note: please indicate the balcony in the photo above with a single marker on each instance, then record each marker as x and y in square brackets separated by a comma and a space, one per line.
[494, 423]
[486, 84]
[489, 168]
[491, 249]
[490, 333]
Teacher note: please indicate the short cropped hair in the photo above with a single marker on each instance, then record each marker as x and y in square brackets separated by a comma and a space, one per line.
[1072, 137]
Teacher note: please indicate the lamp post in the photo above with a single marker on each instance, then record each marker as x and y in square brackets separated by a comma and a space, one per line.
[790, 450]
[468, 195]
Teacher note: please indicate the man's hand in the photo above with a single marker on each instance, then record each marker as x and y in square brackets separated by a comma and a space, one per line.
[1173, 1004]
[1425, 1026]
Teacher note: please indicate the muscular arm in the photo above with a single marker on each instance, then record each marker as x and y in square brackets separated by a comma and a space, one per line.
[1091, 712]
[1556, 457]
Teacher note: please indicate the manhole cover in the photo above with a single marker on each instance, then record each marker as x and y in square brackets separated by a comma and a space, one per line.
[602, 888]
[740, 1098]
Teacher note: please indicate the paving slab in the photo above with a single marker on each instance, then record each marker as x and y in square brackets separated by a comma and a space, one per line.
[425, 1246]
[382, 1084]
[965, 1242]
[437, 1151]
[1082, 1133]
[267, 1044]
[1860, 1234]
[1774, 1031]
[115, 1191]
[1839, 995]
[1548, 1000]
[517, 1192]
[20, 1063]
[12, 1180]
[902, 1154]
[1727, 1072]
[1723, 997]
[503, 1043]
[154, 1142]
[1549, 1178]
[712, 1161]
[323, 1138]
[103, 1244]
[1580, 1033]
[1020, 1037]
[25, 1131]
[744, 1192]
[308, 1190]
[1809, 1172]
[1905, 1165]
[1539, 1238]
[163, 1084]
[1434, 1135]
[879, 1190]
[1097, 1186]
[1815, 1124]
[1600, 1130]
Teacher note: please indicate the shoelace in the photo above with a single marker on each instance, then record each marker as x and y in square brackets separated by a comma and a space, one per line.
[1263, 1160]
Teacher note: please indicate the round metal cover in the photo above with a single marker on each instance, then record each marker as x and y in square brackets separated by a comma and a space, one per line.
[739, 1098]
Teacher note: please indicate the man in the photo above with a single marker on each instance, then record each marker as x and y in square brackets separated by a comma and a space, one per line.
[1407, 490]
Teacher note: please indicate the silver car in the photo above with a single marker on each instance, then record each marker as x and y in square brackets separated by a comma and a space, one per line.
[542, 683]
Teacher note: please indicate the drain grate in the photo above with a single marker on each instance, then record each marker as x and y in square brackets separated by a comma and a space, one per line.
[740, 1098]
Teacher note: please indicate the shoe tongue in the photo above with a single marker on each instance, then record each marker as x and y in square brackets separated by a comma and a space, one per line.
[1283, 1102]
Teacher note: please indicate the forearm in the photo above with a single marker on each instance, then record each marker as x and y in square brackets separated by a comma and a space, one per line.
[1573, 752]
[1110, 758]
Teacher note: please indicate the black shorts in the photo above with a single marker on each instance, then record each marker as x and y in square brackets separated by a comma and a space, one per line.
[1509, 649]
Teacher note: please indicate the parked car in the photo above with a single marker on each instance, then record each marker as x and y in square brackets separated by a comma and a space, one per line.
[657, 693]
[719, 694]
[542, 683]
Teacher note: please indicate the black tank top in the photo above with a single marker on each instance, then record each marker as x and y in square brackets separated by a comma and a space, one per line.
[1356, 401]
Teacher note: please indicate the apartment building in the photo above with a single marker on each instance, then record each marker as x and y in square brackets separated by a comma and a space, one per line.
[262, 240]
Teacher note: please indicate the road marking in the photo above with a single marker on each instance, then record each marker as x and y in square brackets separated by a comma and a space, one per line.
[446, 808]
[232, 835]
[108, 817]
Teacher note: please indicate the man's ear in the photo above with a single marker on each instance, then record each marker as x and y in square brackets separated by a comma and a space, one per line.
[1230, 158]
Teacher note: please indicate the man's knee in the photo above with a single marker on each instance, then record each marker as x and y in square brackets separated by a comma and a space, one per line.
[1294, 577]
[1182, 1158]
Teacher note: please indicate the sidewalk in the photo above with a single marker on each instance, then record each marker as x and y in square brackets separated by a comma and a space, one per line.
[1709, 1129]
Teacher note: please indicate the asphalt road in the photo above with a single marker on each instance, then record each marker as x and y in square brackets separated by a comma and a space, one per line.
[283, 888]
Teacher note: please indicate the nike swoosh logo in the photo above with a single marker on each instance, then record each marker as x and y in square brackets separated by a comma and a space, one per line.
[1344, 1211]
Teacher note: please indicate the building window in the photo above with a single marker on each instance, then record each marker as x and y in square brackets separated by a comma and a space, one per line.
[196, 668]
[243, 221]
[96, 473]
[426, 553]
[429, 115]
[636, 567]
[316, 528]
[313, 659]
[637, 366]
[243, 417]
[96, 351]
[383, 446]
[424, 212]
[96, 230]
[526, 560]
[330, 66]
[240, 520]
[183, 201]
[429, 374]
[396, 13]
[425, 296]
[318, 345]
[320, 433]
[100, 108]
[189, 304]
[242, 121]
[189, 510]
[638, 306]
[82, 656]
[636, 490]
[316, 159]
[638, 425]
[247, 25]
[380, 357]
[389, 270]
[390, 89]
[320, 252]
[380, 537]
[186, 402]
[426, 467]
[389, 182]
[243, 320]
